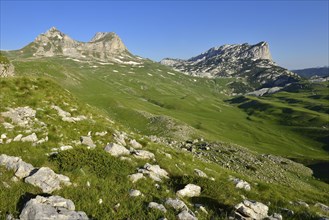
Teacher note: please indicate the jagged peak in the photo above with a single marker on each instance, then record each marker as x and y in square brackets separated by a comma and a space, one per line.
[104, 35]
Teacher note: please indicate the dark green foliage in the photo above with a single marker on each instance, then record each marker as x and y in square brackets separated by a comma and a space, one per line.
[96, 161]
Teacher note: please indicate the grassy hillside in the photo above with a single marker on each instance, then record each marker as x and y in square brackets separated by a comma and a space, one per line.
[107, 175]
[140, 96]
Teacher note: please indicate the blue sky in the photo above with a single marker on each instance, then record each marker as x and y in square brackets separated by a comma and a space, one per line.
[297, 31]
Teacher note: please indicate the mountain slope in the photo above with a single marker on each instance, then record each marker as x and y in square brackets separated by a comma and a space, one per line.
[253, 63]
[309, 72]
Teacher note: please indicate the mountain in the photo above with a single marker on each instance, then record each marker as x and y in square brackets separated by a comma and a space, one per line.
[104, 46]
[310, 72]
[120, 140]
[250, 62]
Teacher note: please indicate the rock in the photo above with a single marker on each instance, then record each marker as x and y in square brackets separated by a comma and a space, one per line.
[101, 133]
[30, 138]
[200, 173]
[154, 205]
[86, 140]
[251, 210]
[241, 184]
[53, 207]
[134, 193]
[8, 126]
[135, 144]
[100, 201]
[120, 138]
[135, 177]
[6, 68]
[154, 172]
[190, 190]
[20, 116]
[18, 137]
[3, 136]
[186, 215]
[46, 179]
[143, 154]
[275, 216]
[116, 150]
[177, 204]
[302, 203]
[323, 207]
[66, 116]
[21, 168]
[63, 148]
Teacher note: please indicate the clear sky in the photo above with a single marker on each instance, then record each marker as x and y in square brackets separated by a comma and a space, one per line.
[297, 31]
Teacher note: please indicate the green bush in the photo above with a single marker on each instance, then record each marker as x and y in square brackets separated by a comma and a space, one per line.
[96, 161]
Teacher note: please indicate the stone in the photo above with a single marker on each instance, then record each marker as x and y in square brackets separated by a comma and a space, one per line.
[47, 180]
[20, 116]
[135, 177]
[251, 209]
[177, 204]
[241, 184]
[186, 215]
[30, 138]
[135, 144]
[120, 138]
[6, 69]
[154, 205]
[323, 207]
[63, 148]
[21, 168]
[154, 172]
[200, 173]
[143, 154]
[190, 190]
[18, 137]
[3, 136]
[8, 126]
[134, 193]
[302, 203]
[86, 140]
[53, 207]
[101, 133]
[275, 216]
[116, 150]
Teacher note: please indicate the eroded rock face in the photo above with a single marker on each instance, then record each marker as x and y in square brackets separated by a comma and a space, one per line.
[190, 190]
[46, 179]
[101, 47]
[248, 210]
[51, 208]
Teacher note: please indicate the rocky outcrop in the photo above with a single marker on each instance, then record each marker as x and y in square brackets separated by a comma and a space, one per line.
[53, 207]
[104, 46]
[251, 62]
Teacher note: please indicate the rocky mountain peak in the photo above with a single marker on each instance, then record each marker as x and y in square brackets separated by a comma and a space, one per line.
[104, 46]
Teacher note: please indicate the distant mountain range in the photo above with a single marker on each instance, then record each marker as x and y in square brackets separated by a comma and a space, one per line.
[311, 72]
[250, 62]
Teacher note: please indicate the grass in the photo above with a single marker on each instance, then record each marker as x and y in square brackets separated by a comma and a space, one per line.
[126, 92]
[105, 96]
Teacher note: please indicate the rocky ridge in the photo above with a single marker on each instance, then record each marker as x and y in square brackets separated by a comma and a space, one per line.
[104, 46]
[253, 63]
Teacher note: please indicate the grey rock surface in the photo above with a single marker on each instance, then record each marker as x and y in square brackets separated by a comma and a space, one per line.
[116, 150]
[86, 140]
[176, 204]
[251, 210]
[21, 168]
[154, 205]
[186, 215]
[47, 180]
[51, 208]
[190, 190]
